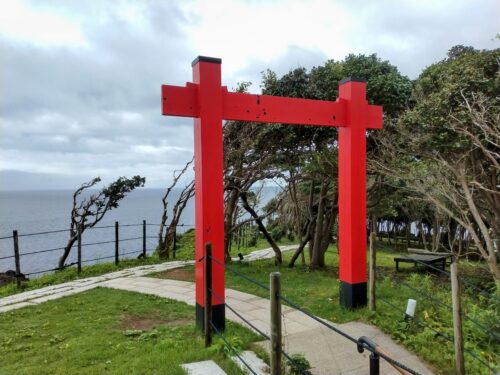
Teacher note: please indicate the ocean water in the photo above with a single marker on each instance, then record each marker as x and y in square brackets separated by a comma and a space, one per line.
[31, 212]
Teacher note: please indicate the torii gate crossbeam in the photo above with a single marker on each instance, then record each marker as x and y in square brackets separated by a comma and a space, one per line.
[209, 103]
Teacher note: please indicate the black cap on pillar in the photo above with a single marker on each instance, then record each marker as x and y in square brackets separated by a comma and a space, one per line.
[213, 60]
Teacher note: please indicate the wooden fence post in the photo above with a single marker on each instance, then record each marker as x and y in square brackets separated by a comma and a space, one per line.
[117, 243]
[16, 258]
[372, 272]
[207, 319]
[276, 346]
[144, 239]
[79, 250]
[457, 319]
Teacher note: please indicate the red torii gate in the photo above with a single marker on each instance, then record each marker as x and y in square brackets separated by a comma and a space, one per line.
[209, 103]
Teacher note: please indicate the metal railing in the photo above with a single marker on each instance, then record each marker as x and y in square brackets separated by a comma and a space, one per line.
[118, 254]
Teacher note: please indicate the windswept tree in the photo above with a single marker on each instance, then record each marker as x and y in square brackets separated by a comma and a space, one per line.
[249, 155]
[307, 155]
[89, 210]
[446, 147]
[168, 230]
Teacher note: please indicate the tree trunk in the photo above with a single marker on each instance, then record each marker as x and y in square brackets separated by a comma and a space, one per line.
[298, 218]
[436, 233]
[407, 230]
[421, 229]
[316, 261]
[262, 228]
[300, 250]
[67, 250]
[229, 210]
[311, 218]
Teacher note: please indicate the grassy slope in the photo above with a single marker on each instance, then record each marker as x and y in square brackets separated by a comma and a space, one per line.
[84, 334]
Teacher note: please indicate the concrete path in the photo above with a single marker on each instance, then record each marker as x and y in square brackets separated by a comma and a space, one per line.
[328, 352]
[48, 293]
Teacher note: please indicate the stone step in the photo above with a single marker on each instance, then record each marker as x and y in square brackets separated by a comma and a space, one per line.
[251, 359]
[211, 368]
[203, 368]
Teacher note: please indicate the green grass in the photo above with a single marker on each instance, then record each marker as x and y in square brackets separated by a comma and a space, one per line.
[92, 333]
[318, 292]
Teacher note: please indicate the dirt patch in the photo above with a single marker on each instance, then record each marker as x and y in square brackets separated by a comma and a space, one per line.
[144, 323]
[177, 274]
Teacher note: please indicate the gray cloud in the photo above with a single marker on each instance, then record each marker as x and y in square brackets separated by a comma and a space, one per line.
[96, 110]
[415, 34]
[81, 111]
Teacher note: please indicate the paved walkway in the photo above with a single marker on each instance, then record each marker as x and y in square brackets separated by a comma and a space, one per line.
[328, 352]
[48, 293]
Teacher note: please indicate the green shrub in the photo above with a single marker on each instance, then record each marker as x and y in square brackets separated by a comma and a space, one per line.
[299, 365]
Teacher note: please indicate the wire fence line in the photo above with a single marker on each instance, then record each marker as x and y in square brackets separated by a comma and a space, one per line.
[448, 338]
[421, 323]
[118, 252]
[359, 343]
[485, 329]
[448, 274]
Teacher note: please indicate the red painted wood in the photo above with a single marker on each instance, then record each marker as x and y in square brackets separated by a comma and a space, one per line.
[352, 184]
[209, 178]
[275, 109]
[182, 101]
[209, 103]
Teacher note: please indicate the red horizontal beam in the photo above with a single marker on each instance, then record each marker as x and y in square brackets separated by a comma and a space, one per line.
[180, 101]
[265, 108]
[183, 101]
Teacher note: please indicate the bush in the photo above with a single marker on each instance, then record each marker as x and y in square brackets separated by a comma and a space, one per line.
[299, 365]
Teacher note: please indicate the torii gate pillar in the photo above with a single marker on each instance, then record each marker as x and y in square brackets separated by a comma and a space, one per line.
[209, 103]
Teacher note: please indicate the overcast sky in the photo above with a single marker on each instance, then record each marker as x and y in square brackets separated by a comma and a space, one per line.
[80, 80]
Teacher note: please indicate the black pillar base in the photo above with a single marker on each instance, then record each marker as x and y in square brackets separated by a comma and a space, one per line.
[218, 316]
[353, 295]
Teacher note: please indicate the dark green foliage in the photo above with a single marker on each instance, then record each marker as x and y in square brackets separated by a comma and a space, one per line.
[440, 91]
[299, 365]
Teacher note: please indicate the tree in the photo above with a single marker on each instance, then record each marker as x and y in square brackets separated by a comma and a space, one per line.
[248, 156]
[307, 155]
[90, 210]
[168, 232]
[446, 147]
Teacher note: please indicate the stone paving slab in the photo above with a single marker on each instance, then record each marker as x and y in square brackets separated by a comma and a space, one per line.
[15, 307]
[203, 368]
[258, 366]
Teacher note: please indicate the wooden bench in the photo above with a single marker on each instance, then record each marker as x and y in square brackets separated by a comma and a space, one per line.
[436, 258]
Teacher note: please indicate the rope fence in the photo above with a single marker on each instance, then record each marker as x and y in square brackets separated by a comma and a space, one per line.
[457, 324]
[435, 300]
[277, 349]
[448, 274]
[448, 338]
